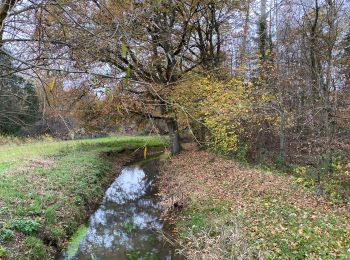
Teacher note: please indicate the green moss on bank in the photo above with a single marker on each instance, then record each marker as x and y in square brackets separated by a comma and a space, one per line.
[75, 241]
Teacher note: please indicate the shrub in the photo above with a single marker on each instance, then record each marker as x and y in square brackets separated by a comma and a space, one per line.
[228, 110]
[26, 226]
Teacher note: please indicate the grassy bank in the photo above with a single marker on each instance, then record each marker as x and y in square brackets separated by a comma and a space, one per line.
[232, 211]
[47, 190]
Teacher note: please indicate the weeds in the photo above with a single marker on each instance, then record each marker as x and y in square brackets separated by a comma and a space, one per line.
[212, 232]
[25, 226]
[6, 235]
[35, 248]
[129, 226]
[3, 252]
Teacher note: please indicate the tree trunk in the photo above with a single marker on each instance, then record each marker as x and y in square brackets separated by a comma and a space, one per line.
[201, 134]
[174, 136]
[262, 30]
[282, 136]
[243, 51]
[318, 183]
[5, 7]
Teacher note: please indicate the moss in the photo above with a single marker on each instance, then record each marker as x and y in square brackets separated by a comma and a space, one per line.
[75, 241]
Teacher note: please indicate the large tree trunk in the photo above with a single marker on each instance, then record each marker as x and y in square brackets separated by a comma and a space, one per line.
[5, 8]
[174, 136]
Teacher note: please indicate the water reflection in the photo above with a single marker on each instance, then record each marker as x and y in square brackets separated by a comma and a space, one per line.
[127, 224]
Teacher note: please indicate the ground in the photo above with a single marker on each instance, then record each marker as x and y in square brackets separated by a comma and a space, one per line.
[223, 209]
[49, 188]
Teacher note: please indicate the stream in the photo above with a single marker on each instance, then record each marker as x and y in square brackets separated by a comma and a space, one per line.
[127, 224]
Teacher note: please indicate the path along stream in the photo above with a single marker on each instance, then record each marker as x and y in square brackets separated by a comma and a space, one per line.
[127, 224]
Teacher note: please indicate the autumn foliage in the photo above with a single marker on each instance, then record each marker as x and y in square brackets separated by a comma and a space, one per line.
[228, 111]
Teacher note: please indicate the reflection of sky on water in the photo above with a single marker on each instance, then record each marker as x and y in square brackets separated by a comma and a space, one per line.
[130, 184]
[127, 220]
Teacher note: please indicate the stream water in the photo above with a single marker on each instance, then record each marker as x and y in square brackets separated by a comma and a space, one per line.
[127, 224]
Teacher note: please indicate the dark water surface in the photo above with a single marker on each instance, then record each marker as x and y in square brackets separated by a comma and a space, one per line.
[127, 224]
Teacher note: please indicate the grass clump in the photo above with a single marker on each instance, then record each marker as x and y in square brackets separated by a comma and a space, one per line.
[6, 235]
[129, 225]
[3, 252]
[209, 229]
[35, 248]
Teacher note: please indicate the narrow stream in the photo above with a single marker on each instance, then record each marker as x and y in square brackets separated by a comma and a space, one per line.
[127, 224]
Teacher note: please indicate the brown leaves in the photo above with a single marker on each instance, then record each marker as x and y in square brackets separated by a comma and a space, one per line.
[274, 208]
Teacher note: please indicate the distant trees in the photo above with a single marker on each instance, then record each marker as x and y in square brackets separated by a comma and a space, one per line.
[306, 75]
[19, 104]
[18, 100]
[297, 60]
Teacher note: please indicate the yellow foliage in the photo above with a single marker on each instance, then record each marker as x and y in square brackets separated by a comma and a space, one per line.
[145, 153]
[225, 108]
[52, 82]
[300, 170]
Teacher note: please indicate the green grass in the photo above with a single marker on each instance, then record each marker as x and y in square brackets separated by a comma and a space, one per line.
[75, 241]
[201, 216]
[214, 227]
[35, 248]
[47, 189]
[13, 152]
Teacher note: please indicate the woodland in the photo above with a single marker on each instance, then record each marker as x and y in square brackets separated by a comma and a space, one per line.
[251, 99]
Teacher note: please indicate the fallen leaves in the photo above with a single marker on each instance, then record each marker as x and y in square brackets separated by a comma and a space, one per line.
[280, 218]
